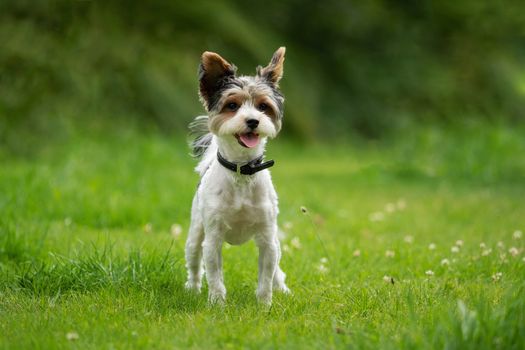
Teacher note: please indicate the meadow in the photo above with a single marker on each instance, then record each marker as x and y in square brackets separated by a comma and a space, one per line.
[409, 242]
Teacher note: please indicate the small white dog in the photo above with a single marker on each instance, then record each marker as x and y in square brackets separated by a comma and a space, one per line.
[235, 200]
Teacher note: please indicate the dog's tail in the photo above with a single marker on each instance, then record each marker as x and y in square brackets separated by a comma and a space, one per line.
[200, 135]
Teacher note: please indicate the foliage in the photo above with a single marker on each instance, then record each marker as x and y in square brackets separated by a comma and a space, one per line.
[352, 67]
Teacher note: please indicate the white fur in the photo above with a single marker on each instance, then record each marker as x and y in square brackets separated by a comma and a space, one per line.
[234, 208]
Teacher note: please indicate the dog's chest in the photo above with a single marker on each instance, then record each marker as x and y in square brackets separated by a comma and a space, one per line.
[245, 210]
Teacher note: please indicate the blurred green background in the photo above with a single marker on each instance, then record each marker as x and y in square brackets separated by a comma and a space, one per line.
[354, 68]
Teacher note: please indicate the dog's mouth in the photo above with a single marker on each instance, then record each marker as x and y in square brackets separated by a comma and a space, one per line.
[248, 140]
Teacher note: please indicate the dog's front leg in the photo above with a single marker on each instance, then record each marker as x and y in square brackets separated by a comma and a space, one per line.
[268, 256]
[212, 250]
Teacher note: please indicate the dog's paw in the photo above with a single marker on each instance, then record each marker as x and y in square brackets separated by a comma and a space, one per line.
[217, 298]
[283, 289]
[264, 297]
[192, 286]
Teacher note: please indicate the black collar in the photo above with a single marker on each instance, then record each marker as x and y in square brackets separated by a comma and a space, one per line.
[249, 168]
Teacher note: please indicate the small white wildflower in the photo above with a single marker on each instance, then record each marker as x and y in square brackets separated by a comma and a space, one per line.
[72, 336]
[497, 276]
[501, 245]
[295, 243]
[486, 252]
[445, 262]
[401, 204]
[429, 273]
[387, 279]
[517, 234]
[459, 243]
[514, 251]
[482, 245]
[322, 268]
[304, 210]
[286, 248]
[356, 253]
[148, 228]
[408, 239]
[376, 216]
[324, 260]
[287, 225]
[390, 253]
[68, 221]
[454, 249]
[432, 246]
[176, 230]
[390, 207]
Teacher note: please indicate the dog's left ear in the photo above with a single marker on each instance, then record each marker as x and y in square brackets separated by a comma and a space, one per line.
[273, 72]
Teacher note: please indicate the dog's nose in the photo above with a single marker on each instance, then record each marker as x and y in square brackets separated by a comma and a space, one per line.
[252, 123]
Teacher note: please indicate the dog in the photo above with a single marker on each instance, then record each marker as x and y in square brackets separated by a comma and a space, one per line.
[235, 200]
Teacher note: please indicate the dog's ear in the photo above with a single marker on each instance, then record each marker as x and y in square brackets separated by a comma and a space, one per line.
[212, 72]
[273, 72]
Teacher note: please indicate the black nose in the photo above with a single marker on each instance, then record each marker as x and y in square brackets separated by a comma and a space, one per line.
[252, 123]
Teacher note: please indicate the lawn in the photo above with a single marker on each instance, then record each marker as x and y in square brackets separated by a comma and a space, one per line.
[413, 242]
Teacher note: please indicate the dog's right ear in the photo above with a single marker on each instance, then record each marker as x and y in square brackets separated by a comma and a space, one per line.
[212, 72]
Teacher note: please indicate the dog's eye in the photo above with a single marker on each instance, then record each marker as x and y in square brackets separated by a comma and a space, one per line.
[232, 106]
[262, 107]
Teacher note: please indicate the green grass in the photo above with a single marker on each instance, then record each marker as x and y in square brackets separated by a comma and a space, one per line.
[86, 247]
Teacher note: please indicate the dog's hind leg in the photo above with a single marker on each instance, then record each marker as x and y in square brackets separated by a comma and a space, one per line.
[193, 250]
[279, 276]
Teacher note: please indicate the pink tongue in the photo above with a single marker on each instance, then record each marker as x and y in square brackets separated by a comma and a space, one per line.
[250, 139]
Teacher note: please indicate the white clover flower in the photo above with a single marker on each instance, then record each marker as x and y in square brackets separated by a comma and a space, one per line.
[390, 253]
[390, 207]
[356, 253]
[454, 249]
[295, 243]
[514, 251]
[322, 268]
[148, 228]
[71, 336]
[497, 276]
[445, 262]
[486, 252]
[409, 239]
[376, 216]
[401, 204]
[482, 245]
[459, 243]
[517, 234]
[501, 245]
[324, 260]
[176, 230]
[387, 279]
[432, 246]
[429, 273]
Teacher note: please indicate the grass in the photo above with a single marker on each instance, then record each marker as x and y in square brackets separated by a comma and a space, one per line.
[88, 258]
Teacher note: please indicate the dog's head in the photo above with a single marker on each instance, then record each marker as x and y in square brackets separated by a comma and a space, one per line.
[246, 108]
